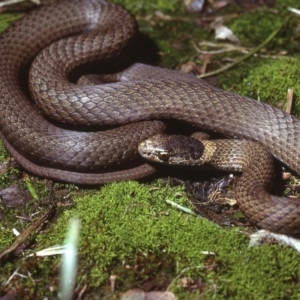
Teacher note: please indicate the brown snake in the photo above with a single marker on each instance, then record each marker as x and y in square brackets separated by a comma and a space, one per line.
[251, 158]
[101, 31]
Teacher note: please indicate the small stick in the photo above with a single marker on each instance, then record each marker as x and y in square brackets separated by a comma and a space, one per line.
[21, 238]
[289, 100]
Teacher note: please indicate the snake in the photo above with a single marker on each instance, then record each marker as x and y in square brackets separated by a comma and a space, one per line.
[251, 159]
[89, 134]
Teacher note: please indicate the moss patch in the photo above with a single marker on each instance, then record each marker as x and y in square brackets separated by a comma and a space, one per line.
[143, 8]
[265, 81]
[128, 229]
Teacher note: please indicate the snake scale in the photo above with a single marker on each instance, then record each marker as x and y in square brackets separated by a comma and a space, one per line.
[84, 31]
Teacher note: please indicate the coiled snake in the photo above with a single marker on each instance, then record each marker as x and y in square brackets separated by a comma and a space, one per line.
[98, 30]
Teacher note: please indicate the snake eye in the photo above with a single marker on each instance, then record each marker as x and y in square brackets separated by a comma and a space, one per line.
[164, 156]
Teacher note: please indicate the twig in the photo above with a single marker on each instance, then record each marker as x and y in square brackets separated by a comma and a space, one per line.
[10, 2]
[21, 238]
[180, 207]
[289, 101]
[294, 10]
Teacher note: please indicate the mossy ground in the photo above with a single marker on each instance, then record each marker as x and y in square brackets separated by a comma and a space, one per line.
[127, 229]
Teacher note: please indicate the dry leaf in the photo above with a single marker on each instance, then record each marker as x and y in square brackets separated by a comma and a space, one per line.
[222, 32]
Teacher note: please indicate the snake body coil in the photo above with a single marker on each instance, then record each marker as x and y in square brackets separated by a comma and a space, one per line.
[140, 93]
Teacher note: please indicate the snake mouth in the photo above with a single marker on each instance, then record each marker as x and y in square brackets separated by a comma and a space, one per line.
[148, 151]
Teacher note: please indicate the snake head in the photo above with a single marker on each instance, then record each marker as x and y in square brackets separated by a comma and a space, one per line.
[171, 149]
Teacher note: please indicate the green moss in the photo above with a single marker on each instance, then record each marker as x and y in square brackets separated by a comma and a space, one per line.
[252, 35]
[265, 81]
[146, 7]
[282, 5]
[128, 229]
[8, 172]
[3, 153]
